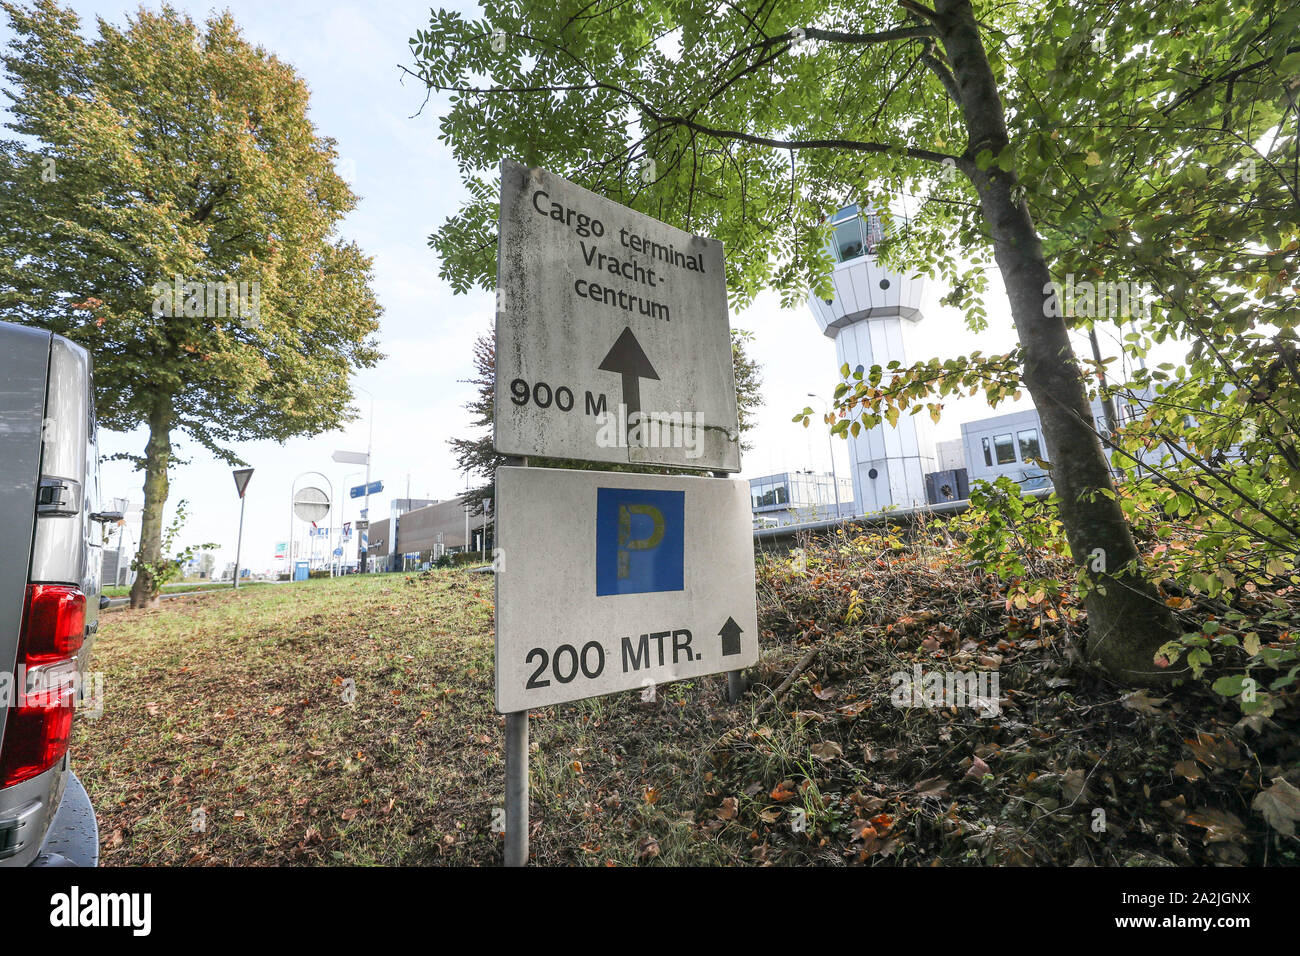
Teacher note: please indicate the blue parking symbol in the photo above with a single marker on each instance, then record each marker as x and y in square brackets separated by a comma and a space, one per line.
[640, 540]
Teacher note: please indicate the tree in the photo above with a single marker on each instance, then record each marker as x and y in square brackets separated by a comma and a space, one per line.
[476, 456]
[171, 207]
[755, 119]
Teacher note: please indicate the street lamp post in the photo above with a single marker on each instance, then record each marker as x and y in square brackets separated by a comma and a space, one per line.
[830, 445]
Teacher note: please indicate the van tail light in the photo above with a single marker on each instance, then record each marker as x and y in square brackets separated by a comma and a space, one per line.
[44, 693]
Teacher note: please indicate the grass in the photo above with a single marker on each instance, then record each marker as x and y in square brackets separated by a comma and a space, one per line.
[226, 737]
[116, 591]
[233, 704]
[232, 710]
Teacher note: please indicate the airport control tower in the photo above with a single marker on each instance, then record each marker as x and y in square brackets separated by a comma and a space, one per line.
[875, 319]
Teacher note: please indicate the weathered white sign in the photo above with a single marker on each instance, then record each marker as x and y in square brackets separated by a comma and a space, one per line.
[613, 341]
[609, 582]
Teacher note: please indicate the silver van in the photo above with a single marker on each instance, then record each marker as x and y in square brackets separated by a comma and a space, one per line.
[49, 593]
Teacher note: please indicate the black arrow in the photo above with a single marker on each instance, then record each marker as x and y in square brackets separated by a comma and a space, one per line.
[627, 359]
[730, 634]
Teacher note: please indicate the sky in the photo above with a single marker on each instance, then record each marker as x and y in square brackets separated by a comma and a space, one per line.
[349, 55]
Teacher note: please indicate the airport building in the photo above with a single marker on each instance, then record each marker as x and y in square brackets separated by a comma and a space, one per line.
[420, 535]
[874, 316]
[795, 497]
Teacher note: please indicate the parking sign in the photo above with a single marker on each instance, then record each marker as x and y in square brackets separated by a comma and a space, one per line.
[618, 581]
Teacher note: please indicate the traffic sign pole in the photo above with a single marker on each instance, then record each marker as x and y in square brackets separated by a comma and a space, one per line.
[517, 789]
[239, 541]
[517, 774]
[667, 593]
[242, 477]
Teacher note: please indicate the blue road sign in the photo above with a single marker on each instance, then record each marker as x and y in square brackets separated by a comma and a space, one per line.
[338, 552]
[360, 491]
[640, 540]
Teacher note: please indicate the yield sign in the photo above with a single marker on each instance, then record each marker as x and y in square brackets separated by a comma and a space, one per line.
[241, 479]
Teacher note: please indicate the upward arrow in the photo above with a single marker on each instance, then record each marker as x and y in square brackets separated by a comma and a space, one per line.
[627, 359]
[730, 634]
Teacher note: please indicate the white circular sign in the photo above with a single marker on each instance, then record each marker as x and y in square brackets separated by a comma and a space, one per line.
[311, 503]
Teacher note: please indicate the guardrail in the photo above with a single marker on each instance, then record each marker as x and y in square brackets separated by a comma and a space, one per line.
[783, 533]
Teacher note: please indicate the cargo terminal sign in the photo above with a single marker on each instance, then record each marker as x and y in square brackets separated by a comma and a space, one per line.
[645, 579]
[613, 341]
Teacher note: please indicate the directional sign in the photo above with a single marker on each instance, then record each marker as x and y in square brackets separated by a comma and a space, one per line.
[360, 491]
[639, 580]
[613, 341]
[241, 479]
[352, 457]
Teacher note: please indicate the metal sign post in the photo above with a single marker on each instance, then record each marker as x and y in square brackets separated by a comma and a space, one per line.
[516, 853]
[613, 345]
[242, 475]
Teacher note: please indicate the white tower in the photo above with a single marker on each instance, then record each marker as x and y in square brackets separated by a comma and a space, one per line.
[874, 319]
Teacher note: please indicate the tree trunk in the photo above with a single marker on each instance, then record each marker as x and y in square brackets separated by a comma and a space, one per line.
[157, 454]
[1127, 621]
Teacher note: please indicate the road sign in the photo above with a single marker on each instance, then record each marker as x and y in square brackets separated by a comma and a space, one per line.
[613, 341]
[311, 503]
[362, 525]
[360, 491]
[351, 457]
[666, 592]
[241, 479]
[241, 484]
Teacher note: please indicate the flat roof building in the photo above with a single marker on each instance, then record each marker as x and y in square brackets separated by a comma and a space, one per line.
[793, 497]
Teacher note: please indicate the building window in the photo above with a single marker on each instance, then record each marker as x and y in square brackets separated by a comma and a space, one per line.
[988, 452]
[1006, 451]
[769, 494]
[1028, 444]
[848, 234]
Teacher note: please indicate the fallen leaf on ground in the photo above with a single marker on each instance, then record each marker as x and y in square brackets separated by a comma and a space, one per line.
[827, 750]
[1280, 805]
[783, 791]
[930, 787]
[1142, 702]
[1220, 826]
